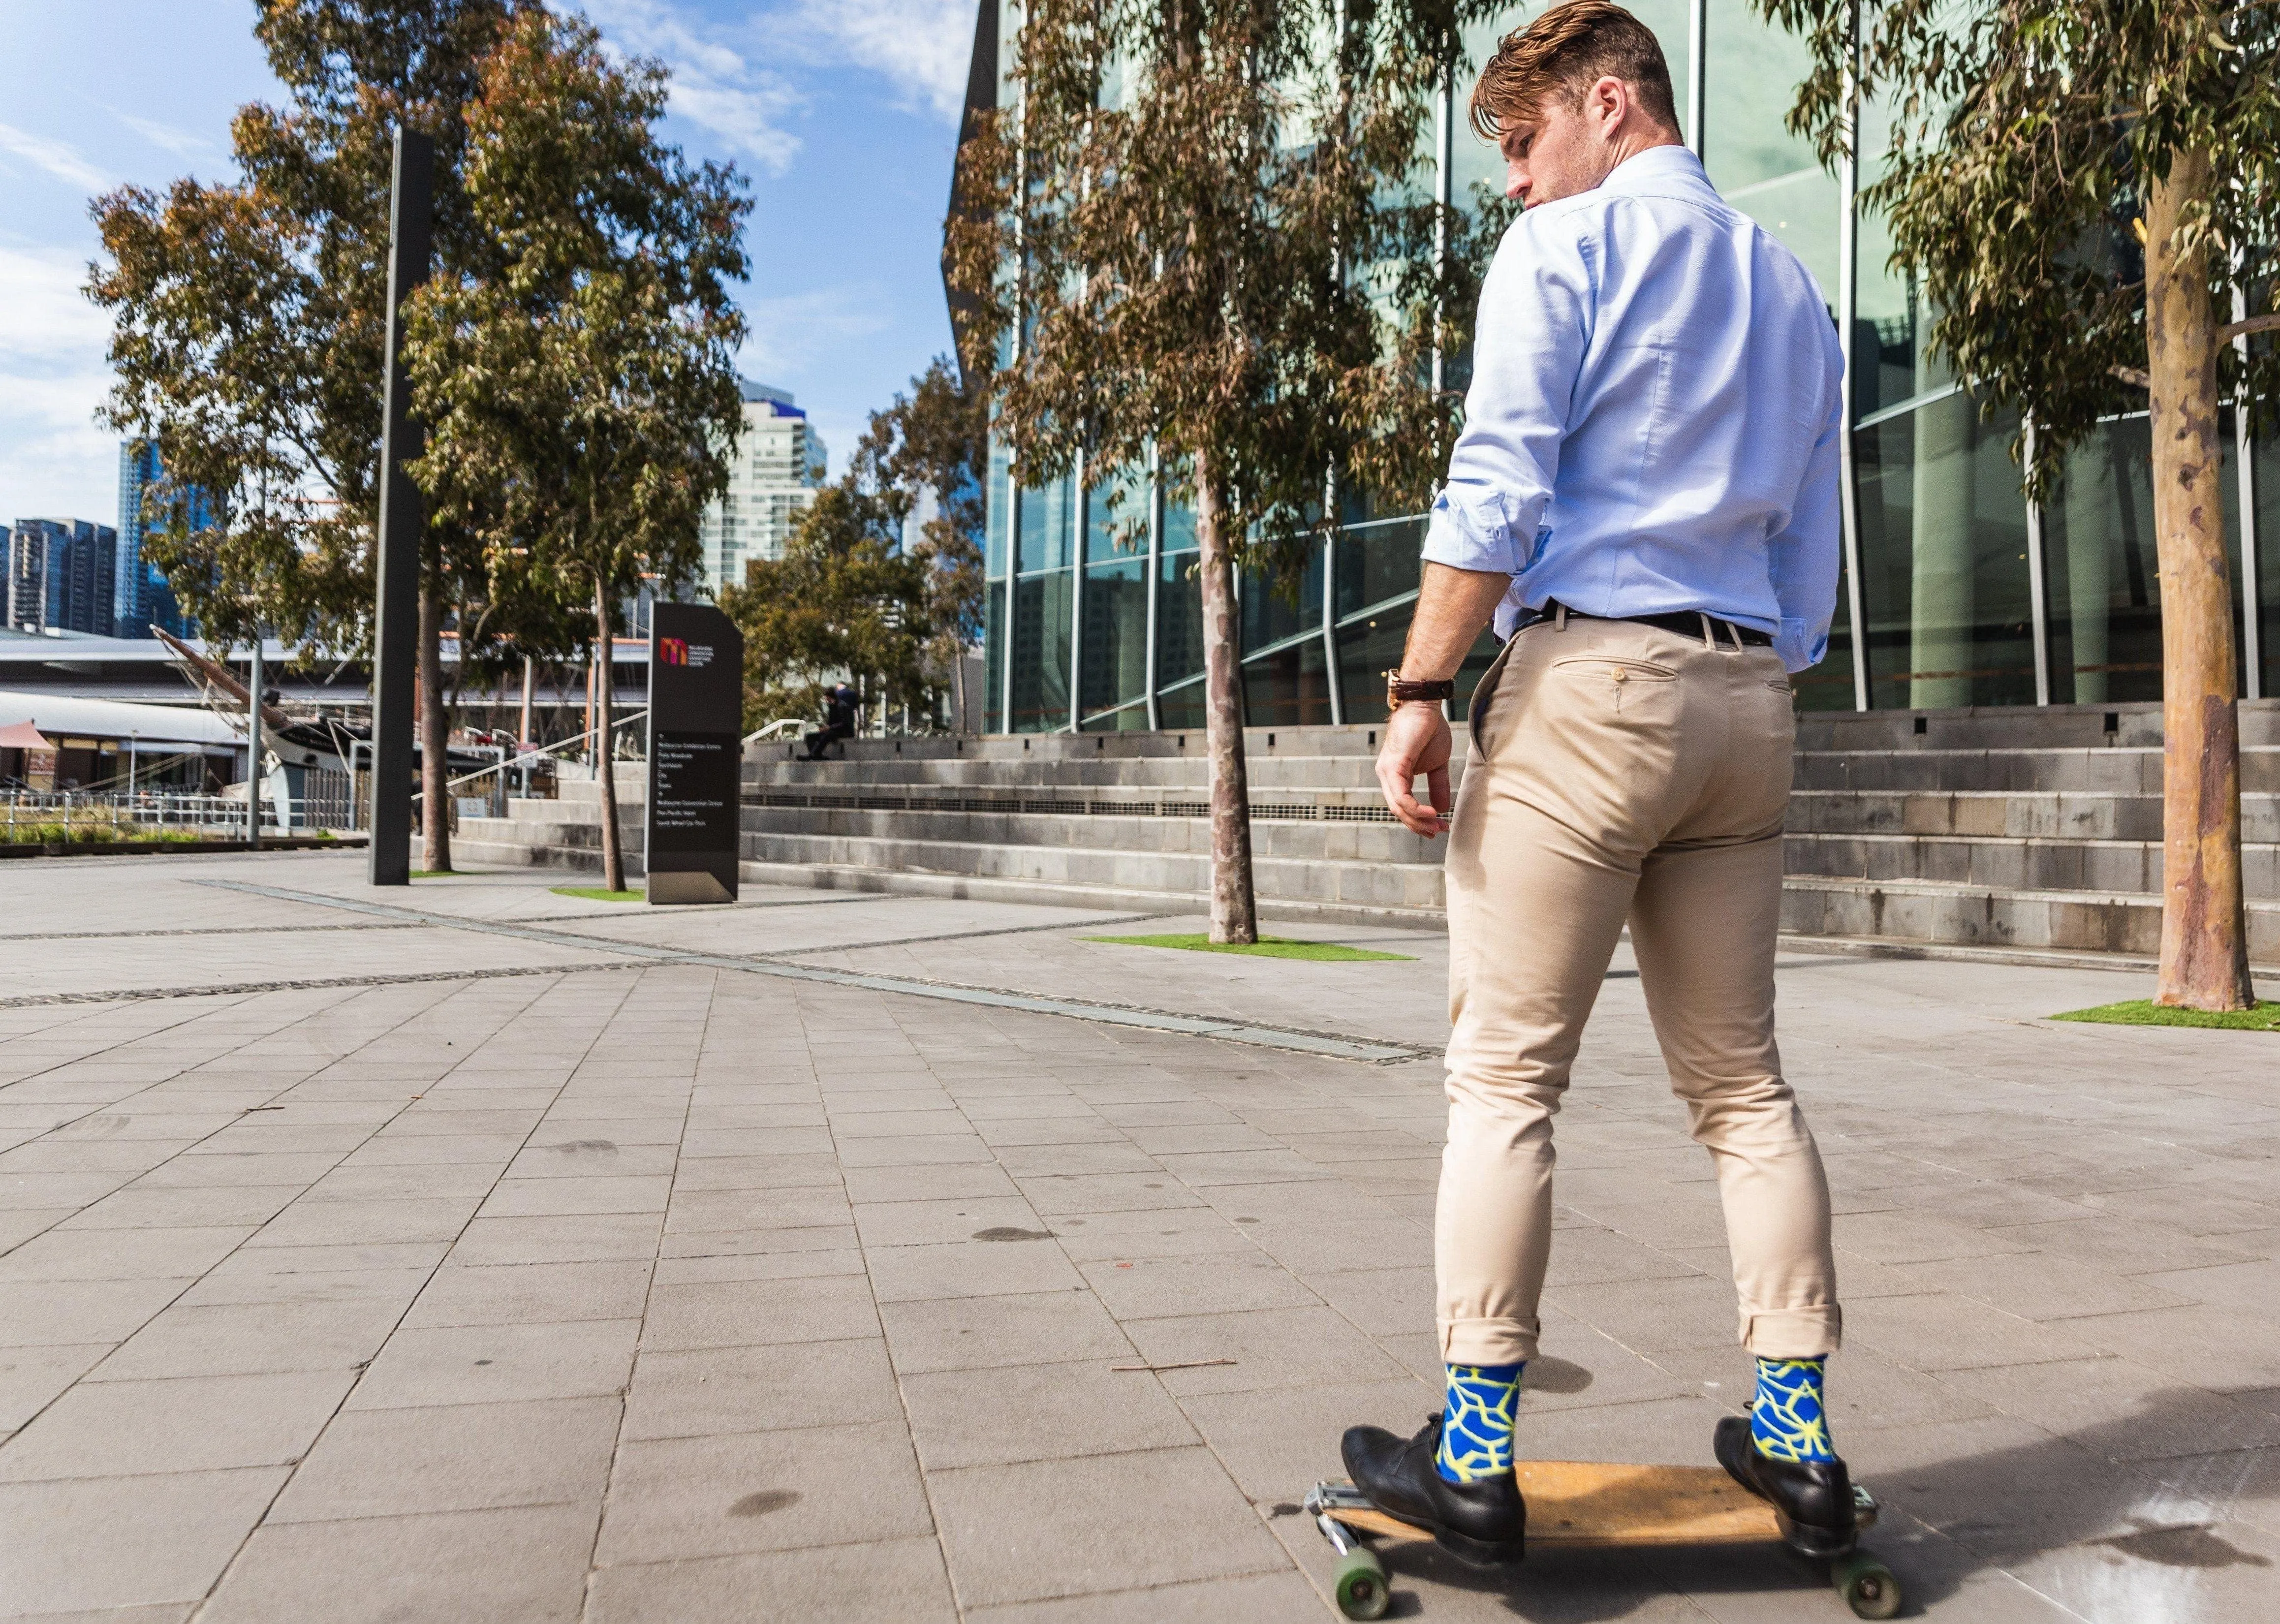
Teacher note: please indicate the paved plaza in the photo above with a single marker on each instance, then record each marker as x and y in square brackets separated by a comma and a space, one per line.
[470, 1252]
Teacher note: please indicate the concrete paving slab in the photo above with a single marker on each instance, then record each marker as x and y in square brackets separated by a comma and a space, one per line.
[618, 1242]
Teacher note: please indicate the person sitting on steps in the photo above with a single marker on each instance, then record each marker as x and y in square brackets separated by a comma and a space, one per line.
[1644, 500]
[840, 711]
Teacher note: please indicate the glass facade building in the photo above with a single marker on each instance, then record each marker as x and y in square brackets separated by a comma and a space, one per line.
[1956, 590]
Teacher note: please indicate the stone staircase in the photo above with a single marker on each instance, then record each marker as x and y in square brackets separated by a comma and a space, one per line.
[565, 833]
[2006, 830]
[2003, 833]
[1116, 820]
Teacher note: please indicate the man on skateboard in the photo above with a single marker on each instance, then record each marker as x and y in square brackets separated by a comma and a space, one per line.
[1644, 498]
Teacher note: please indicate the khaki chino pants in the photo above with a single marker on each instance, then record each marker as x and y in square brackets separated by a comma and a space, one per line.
[1620, 772]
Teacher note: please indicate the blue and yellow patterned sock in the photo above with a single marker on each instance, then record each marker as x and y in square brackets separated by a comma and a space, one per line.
[1477, 1422]
[1787, 1422]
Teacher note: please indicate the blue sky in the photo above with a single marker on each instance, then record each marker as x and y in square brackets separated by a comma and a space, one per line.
[841, 113]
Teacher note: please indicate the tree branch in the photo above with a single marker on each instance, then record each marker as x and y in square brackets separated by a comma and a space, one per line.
[2133, 377]
[2231, 330]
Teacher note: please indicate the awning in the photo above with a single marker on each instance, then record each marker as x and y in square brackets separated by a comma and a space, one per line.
[23, 735]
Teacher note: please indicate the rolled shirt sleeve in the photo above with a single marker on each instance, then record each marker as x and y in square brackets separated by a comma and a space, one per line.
[1535, 320]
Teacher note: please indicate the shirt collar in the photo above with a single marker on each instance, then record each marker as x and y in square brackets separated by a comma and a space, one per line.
[1665, 171]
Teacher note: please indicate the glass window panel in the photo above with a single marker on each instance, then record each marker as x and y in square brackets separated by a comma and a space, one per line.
[1116, 517]
[2099, 550]
[1001, 503]
[1182, 707]
[1048, 522]
[2267, 461]
[1290, 688]
[1944, 560]
[1366, 651]
[993, 659]
[1179, 620]
[1752, 72]
[1273, 610]
[1179, 528]
[2098, 558]
[1041, 652]
[1116, 665]
[1829, 686]
[1376, 562]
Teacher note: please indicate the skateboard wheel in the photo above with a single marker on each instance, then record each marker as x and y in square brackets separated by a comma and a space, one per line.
[1362, 1589]
[1868, 1587]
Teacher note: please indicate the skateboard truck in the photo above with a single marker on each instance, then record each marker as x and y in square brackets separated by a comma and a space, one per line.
[1589, 1504]
[1360, 1584]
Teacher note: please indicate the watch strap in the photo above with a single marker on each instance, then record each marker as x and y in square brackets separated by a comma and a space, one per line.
[1400, 690]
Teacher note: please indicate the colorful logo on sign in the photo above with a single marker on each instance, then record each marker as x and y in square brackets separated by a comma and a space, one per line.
[672, 650]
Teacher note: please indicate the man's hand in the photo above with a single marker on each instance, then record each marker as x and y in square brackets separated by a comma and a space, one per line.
[1416, 740]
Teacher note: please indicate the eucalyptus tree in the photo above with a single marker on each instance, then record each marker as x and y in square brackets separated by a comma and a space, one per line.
[2091, 196]
[879, 582]
[577, 398]
[250, 318]
[1206, 229]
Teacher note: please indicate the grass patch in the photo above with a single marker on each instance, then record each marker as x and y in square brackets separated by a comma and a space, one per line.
[595, 893]
[1266, 947]
[2146, 1012]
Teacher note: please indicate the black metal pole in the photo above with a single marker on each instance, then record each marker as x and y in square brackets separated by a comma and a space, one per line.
[395, 619]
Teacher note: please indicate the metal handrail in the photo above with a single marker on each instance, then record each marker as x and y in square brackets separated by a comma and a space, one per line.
[534, 755]
[769, 732]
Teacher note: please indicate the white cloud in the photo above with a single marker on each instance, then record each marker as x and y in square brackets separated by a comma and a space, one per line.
[182, 143]
[54, 460]
[59, 158]
[713, 84]
[794, 332]
[923, 47]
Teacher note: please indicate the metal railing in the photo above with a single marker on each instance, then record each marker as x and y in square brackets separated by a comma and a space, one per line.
[34, 817]
[498, 779]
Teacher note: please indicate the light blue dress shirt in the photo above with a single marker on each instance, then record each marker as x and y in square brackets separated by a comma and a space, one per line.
[1652, 423]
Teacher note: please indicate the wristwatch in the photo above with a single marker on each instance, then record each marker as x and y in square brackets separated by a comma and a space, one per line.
[1400, 690]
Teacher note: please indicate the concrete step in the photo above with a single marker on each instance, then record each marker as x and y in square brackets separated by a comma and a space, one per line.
[2037, 863]
[2120, 770]
[2000, 813]
[523, 854]
[1379, 840]
[1149, 774]
[1354, 884]
[1930, 912]
[1121, 899]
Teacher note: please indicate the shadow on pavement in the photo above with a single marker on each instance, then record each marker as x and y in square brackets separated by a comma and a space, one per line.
[1945, 1521]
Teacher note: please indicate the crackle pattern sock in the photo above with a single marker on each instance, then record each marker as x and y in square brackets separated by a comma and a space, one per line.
[1787, 1422]
[1476, 1424]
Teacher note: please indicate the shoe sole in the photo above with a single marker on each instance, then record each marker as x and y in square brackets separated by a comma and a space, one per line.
[1819, 1543]
[1480, 1552]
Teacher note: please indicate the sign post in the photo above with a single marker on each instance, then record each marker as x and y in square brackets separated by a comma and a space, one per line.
[696, 714]
[395, 616]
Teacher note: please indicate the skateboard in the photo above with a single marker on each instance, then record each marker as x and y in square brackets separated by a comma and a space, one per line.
[1594, 1503]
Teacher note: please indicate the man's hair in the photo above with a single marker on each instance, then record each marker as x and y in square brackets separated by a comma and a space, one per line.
[1564, 52]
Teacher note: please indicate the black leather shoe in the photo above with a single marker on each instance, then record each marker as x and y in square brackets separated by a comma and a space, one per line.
[1483, 1522]
[1811, 1499]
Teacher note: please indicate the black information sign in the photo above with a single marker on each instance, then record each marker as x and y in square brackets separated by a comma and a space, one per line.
[695, 711]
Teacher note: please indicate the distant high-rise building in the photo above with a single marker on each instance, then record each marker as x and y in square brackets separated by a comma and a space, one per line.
[773, 474]
[145, 598]
[62, 576]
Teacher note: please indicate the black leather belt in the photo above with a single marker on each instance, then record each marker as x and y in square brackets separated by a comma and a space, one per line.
[1686, 623]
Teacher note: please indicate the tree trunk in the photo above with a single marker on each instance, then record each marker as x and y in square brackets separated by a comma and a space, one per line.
[613, 861]
[2204, 939]
[1234, 910]
[435, 737]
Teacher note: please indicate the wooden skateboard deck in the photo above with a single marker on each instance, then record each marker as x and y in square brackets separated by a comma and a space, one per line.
[1593, 1503]
[1600, 1503]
